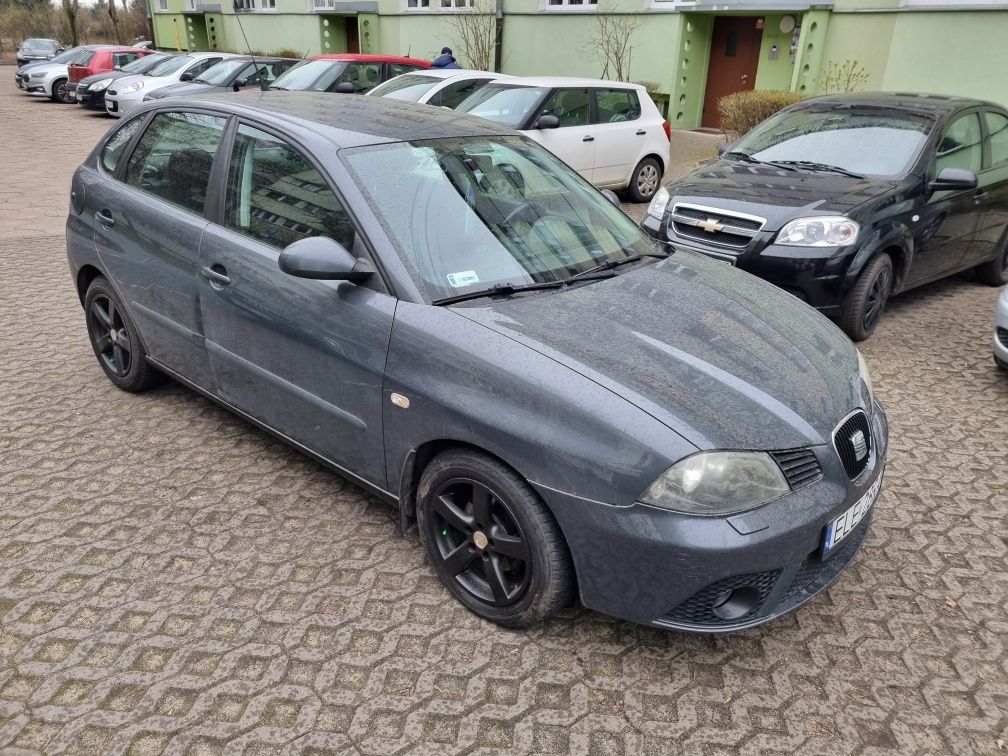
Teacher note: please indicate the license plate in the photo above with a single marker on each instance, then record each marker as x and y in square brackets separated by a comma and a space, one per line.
[841, 527]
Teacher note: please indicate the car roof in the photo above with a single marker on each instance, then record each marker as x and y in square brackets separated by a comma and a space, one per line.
[570, 81]
[919, 101]
[348, 121]
[449, 73]
[359, 58]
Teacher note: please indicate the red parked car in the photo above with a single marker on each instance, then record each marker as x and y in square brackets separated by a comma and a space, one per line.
[349, 73]
[99, 61]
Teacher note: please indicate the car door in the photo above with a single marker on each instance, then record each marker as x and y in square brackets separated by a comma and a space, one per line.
[451, 94]
[148, 221]
[992, 187]
[619, 135]
[573, 141]
[945, 234]
[363, 77]
[305, 357]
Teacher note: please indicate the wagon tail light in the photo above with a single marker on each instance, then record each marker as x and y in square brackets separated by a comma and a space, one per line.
[668, 130]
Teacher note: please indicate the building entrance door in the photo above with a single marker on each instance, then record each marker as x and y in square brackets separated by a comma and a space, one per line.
[734, 56]
[352, 38]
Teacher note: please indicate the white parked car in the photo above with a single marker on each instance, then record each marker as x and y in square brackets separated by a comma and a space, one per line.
[123, 95]
[445, 87]
[608, 131]
[1001, 330]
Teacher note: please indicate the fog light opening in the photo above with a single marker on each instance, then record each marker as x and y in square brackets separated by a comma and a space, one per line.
[736, 603]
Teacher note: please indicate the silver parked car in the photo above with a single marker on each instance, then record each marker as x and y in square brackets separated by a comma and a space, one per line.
[1001, 330]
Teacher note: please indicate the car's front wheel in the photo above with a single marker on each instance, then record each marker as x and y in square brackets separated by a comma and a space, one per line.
[863, 308]
[645, 180]
[116, 341]
[995, 272]
[492, 540]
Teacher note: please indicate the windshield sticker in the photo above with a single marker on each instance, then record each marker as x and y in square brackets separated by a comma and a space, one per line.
[463, 278]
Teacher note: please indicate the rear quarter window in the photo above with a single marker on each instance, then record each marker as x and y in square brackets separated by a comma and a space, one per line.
[116, 145]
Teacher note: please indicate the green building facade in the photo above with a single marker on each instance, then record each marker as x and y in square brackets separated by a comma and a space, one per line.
[689, 51]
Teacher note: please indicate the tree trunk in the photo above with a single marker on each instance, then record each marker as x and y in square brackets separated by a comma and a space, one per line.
[70, 8]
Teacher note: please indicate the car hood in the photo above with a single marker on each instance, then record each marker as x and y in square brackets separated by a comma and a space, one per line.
[722, 358]
[189, 88]
[114, 75]
[48, 68]
[773, 193]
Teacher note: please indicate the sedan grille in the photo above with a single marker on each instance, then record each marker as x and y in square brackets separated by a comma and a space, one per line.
[1002, 335]
[800, 466]
[720, 227]
[852, 441]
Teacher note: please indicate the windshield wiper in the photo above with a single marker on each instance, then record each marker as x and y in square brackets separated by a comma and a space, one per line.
[613, 263]
[813, 166]
[745, 157]
[499, 290]
[279, 89]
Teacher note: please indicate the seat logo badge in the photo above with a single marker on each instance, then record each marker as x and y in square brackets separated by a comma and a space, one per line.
[710, 225]
[399, 400]
[860, 444]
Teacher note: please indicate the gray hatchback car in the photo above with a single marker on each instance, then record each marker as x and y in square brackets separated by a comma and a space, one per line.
[437, 308]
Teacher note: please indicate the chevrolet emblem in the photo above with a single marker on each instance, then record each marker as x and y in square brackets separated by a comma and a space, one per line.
[710, 225]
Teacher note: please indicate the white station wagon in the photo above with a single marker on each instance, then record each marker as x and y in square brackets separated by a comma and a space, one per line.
[608, 131]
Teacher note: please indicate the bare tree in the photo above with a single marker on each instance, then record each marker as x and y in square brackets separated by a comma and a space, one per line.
[474, 29]
[113, 14]
[611, 41]
[70, 9]
[849, 76]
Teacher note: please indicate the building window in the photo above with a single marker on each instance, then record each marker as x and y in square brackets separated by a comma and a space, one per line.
[571, 4]
[162, 6]
[417, 4]
[267, 5]
[452, 5]
[244, 6]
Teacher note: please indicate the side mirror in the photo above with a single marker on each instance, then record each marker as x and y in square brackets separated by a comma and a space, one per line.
[547, 122]
[186, 77]
[610, 195]
[240, 83]
[723, 149]
[345, 87]
[952, 179]
[323, 258]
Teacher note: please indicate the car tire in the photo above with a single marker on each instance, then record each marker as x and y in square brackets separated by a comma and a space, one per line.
[492, 540]
[863, 308]
[115, 340]
[58, 91]
[645, 180]
[995, 272]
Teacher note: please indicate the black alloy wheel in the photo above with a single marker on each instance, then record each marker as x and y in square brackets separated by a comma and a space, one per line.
[863, 308]
[115, 340]
[878, 295]
[480, 541]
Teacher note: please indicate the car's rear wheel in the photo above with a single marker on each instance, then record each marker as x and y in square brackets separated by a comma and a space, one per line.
[492, 540]
[59, 91]
[995, 272]
[863, 308]
[116, 341]
[645, 180]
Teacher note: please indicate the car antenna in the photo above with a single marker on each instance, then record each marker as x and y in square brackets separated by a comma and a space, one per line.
[238, 9]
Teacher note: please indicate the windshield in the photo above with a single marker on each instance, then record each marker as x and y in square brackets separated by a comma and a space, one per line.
[408, 87]
[501, 103]
[144, 64]
[170, 66]
[468, 213]
[46, 45]
[312, 75]
[218, 75]
[872, 141]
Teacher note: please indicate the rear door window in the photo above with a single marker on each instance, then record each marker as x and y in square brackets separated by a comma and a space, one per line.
[394, 69]
[363, 76]
[617, 105]
[121, 59]
[174, 156]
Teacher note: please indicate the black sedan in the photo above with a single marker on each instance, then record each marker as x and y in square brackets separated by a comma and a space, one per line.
[231, 75]
[438, 308]
[846, 200]
[91, 90]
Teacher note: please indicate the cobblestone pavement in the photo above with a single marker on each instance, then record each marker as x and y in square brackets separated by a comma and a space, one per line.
[171, 579]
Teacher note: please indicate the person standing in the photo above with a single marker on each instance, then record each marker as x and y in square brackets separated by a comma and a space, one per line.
[445, 60]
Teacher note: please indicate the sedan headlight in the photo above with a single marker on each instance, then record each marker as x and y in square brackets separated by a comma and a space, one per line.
[718, 483]
[103, 84]
[658, 203]
[136, 86]
[863, 369]
[819, 232]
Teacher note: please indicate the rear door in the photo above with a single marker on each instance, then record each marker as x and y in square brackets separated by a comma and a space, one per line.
[148, 222]
[946, 232]
[992, 187]
[574, 140]
[306, 357]
[619, 135]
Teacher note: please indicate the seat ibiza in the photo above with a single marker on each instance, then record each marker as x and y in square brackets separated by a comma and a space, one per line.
[440, 310]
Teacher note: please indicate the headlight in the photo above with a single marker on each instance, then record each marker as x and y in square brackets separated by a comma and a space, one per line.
[819, 232]
[718, 483]
[103, 84]
[658, 203]
[136, 86]
[863, 369]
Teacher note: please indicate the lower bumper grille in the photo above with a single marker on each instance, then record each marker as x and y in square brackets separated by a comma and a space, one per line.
[707, 607]
[1002, 336]
[800, 466]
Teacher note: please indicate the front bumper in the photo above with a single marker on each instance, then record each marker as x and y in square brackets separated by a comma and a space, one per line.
[665, 569]
[118, 104]
[1001, 329]
[816, 275]
[90, 99]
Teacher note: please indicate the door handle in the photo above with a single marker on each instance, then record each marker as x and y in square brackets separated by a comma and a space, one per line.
[588, 139]
[105, 218]
[979, 196]
[217, 277]
[641, 132]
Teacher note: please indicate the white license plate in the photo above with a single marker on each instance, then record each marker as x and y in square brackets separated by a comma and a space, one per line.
[841, 527]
